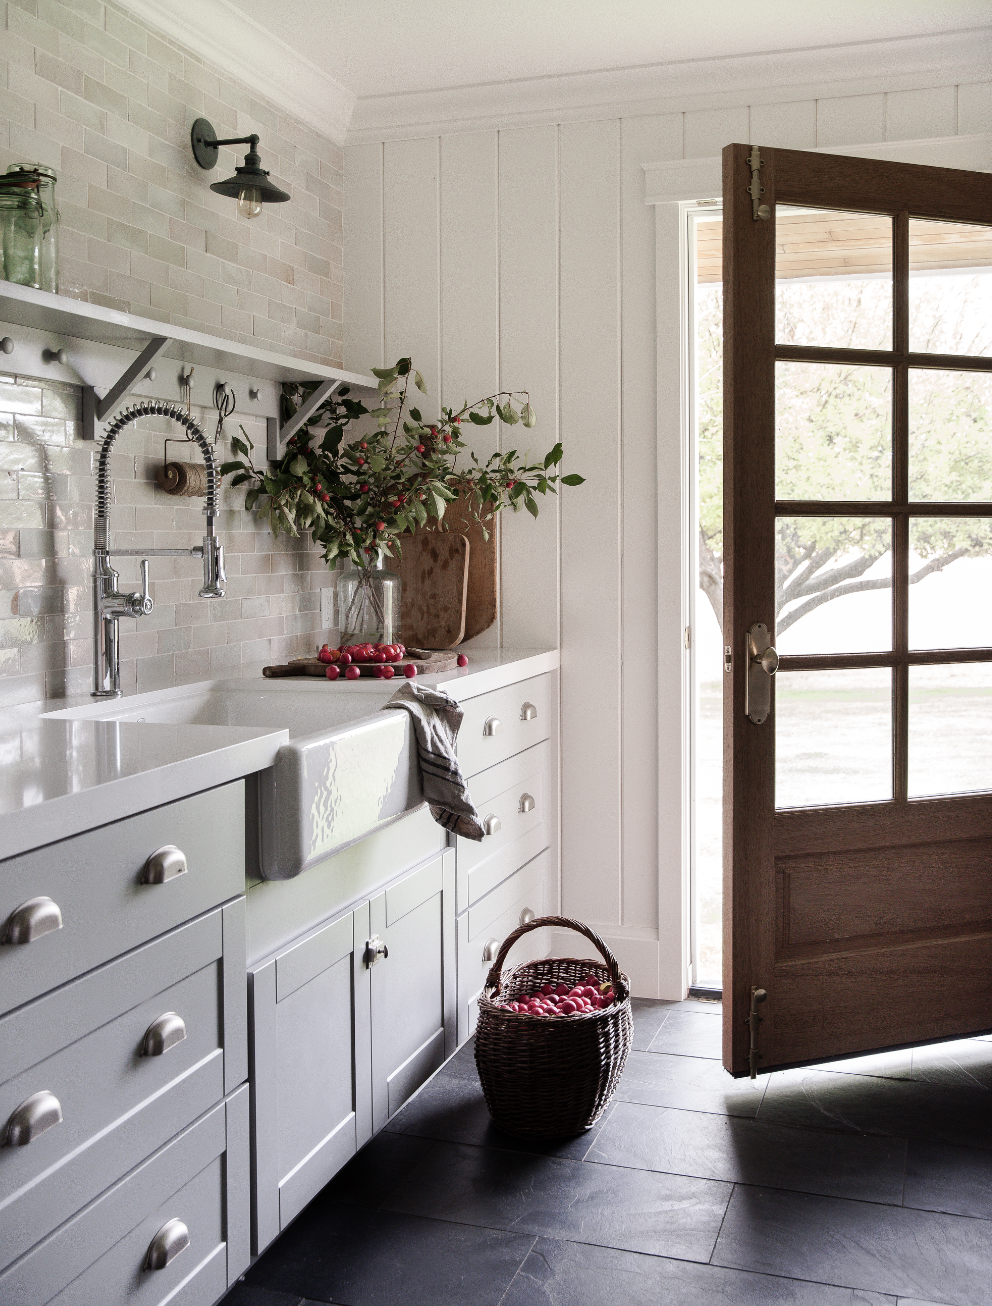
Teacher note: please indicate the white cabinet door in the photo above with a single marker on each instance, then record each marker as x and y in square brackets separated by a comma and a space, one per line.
[413, 983]
[311, 1074]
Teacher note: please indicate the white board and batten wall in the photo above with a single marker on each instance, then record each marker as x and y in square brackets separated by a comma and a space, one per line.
[505, 249]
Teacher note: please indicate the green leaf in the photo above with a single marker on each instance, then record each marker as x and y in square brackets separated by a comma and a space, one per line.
[531, 506]
[239, 445]
[418, 381]
[554, 457]
[527, 415]
[231, 467]
[479, 420]
[573, 478]
[385, 373]
[241, 478]
[415, 414]
[298, 466]
[251, 498]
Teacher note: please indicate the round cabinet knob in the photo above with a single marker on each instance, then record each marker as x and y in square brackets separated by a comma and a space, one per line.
[170, 1240]
[490, 951]
[32, 920]
[493, 726]
[492, 824]
[526, 916]
[528, 712]
[35, 1116]
[375, 951]
[164, 864]
[527, 803]
[162, 1034]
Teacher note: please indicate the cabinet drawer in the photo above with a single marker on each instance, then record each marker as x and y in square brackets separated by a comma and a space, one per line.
[99, 1256]
[506, 721]
[117, 1104]
[512, 796]
[96, 881]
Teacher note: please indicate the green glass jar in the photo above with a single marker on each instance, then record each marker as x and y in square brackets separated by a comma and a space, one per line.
[21, 226]
[45, 179]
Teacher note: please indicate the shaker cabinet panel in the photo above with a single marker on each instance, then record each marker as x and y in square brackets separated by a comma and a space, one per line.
[97, 882]
[506, 721]
[311, 1107]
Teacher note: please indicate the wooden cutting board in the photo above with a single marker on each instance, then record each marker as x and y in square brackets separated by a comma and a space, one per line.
[424, 661]
[480, 603]
[434, 569]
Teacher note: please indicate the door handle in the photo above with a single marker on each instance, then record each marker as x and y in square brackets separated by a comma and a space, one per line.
[33, 1117]
[762, 664]
[32, 920]
[170, 1240]
[162, 1034]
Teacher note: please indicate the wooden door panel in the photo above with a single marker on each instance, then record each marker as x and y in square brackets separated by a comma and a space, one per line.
[867, 925]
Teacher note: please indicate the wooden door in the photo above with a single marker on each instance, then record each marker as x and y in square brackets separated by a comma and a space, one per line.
[860, 901]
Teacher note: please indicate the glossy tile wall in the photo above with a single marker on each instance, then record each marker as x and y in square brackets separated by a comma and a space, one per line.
[87, 90]
[272, 607]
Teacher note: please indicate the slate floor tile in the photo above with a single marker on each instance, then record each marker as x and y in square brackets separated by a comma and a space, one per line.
[887, 1065]
[964, 1061]
[649, 1016]
[693, 1083]
[462, 1064]
[949, 1107]
[916, 1254]
[379, 1165]
[378, 1258]
[454, 1110]
[953, 1179]
[747, 1151]
[690, 1034]
[252, 1294]
[573, 1274]
[665, 1215]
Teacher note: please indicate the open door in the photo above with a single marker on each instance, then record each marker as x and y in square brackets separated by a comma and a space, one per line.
[857, 460]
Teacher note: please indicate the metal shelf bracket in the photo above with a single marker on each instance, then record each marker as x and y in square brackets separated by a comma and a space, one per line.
[96, 409]
[276, 435]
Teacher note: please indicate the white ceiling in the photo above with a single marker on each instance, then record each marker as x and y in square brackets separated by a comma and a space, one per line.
[388, 47]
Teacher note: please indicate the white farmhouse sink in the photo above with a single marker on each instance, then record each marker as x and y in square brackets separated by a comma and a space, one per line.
[346, 770]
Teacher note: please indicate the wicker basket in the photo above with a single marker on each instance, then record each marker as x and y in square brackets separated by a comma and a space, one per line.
[550, 1076]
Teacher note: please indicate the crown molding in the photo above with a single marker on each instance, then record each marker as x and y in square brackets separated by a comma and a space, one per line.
[777, 76]
[236, 45]
[681, 181]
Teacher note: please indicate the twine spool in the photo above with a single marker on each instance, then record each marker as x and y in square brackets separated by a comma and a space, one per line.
[186, 479]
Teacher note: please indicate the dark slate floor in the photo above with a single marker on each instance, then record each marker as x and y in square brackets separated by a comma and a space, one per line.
[860, 1183]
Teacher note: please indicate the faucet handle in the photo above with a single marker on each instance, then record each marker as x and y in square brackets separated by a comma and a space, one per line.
[214, 575]
[141, 604]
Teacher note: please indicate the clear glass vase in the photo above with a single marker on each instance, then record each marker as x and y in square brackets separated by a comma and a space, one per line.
[44, 179]
[369, 605]
[21, 235]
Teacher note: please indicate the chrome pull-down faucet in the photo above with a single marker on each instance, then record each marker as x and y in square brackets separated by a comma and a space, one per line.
[109, 604]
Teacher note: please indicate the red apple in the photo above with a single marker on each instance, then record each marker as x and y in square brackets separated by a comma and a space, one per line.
[352, 672]
[332, 672]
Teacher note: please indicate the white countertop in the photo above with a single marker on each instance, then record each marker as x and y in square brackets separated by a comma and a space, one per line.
[61, 777]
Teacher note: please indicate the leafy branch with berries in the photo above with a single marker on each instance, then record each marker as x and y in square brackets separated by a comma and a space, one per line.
[361, 495]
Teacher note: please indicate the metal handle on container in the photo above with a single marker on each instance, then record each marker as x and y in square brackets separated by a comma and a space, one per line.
[170, 1240]
[32, 920]
[36, 1114]
[162, 1034]
[493, 726]
[528, 712]
[527, 803]
[492, 824]
[489, 951]
[165, 864]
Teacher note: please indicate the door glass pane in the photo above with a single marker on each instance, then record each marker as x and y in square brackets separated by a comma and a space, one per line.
[833, 431]
[833, 584]
[950, 720]
[950, 575]
[950, 435]
[950, 287]
[833, 278]
[833, 737]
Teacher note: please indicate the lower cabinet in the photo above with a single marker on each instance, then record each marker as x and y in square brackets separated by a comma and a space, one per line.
[346, 1023]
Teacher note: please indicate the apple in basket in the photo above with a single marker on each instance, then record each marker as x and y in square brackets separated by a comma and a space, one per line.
[560, 1000]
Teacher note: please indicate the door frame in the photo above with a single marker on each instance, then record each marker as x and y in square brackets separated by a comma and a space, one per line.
[673, 188]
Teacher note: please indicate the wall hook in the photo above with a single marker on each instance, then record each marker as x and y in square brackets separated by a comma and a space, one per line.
[54, 356]
[6, 345]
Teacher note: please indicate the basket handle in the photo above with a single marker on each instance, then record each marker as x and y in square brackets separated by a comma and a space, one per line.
[620, 981]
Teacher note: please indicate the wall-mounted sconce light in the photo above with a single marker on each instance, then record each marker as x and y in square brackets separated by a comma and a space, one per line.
[250, 185]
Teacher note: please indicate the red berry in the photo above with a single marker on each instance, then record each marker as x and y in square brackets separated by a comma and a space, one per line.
[410, 670]
[325, 498]
[361, 462]
[457, 421]
[395, 502]
[364, 489]
[380, 525]
[447, 439]
[352, 672]
[420, 448]
[333, 672]
[462, 660]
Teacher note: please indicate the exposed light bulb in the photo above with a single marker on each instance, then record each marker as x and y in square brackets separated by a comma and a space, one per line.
[250, 201]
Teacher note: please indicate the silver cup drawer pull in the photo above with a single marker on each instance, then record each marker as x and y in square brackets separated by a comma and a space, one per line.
[493, 726]
[492, 824]
[165, 864]
[527, 803]
[527, 915]
[162, 1034]
[170, 1240]
[32, 920]
[36, 1114]
[490, 951]
[528, 712]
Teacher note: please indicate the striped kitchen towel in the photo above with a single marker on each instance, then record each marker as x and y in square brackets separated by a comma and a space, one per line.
[436, 719]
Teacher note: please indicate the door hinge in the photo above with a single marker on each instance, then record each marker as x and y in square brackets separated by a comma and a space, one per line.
[687, 637]
[728, 658]
[755, 189]
[753, 1020]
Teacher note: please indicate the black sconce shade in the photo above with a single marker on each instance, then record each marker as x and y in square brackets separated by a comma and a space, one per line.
[250, 177]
